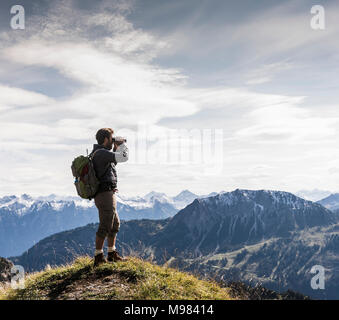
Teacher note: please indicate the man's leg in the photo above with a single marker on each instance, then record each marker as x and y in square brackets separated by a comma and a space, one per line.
[99, 243]
[115, 226]
[113, 255]
[111, 241]
[103, 202]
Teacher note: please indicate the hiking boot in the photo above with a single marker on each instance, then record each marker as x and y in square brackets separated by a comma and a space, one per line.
[115, 256]
[99, 259]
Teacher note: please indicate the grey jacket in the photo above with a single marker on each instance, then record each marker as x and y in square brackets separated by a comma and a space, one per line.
[104, 162]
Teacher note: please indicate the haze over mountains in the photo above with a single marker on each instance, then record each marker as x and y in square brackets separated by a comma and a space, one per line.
[313, 195]
[24, 220]
[268, 237]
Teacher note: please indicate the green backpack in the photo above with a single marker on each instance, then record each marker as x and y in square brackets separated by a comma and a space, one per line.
[86, 181]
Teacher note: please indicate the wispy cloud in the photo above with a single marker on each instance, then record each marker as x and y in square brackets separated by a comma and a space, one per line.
[113, 69]
[267, 72]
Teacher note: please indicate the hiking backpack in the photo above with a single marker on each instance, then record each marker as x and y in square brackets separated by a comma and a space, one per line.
[86, 181]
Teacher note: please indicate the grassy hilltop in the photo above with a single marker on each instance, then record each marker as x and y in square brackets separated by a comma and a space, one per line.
[132, 279]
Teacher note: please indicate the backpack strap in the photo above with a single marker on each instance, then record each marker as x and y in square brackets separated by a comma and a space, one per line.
[91, 155]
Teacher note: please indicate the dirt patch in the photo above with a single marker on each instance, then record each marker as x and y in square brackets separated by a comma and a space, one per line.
[109, 287]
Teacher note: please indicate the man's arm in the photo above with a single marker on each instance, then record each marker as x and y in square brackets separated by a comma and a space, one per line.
[121, 153]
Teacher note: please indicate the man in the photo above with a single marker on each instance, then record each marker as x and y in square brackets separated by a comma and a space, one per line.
[104, 162]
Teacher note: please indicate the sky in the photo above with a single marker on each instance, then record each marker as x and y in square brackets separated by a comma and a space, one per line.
[212, 95]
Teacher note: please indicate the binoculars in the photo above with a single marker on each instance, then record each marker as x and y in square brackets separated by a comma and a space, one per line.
[119, 140]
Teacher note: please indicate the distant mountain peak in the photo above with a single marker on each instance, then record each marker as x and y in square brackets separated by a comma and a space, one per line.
[184, 195]
[261, 197]
[331, 197]
[25, 196]
[185, 191]
[6, 199]
[331, 202]
[154, 194]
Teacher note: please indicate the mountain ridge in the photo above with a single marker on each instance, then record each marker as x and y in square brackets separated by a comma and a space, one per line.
[24, 220]
[230, 218]
[276, 259]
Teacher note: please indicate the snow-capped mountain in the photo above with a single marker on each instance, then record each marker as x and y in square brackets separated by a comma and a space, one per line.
[162, 197]
[24, 220]
[23, 204]
[221, 222]
[179, 201]
[184, 198]
[149, 200]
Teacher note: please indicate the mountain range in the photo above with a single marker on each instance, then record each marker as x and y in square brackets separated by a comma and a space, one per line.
[24, 220]
[266, 237]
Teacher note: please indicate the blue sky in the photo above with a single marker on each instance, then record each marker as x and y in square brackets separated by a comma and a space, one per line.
[254, 69]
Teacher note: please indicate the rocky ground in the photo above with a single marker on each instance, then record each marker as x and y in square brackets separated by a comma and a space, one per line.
[5, 270]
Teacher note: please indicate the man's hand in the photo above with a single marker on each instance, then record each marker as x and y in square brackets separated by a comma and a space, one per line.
[115, 146]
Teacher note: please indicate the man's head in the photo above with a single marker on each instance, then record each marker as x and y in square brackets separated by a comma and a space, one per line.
[104, 137]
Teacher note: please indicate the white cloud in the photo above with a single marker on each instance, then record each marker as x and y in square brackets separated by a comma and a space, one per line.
[15, 97]
[269, 138]
[291, 122]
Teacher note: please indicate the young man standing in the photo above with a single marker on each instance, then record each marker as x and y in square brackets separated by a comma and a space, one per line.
[104, 162]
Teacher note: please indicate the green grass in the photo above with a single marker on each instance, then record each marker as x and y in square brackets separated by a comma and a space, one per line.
[132, 279]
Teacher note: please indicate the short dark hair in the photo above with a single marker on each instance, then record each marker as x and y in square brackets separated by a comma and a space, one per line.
[102, 134]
